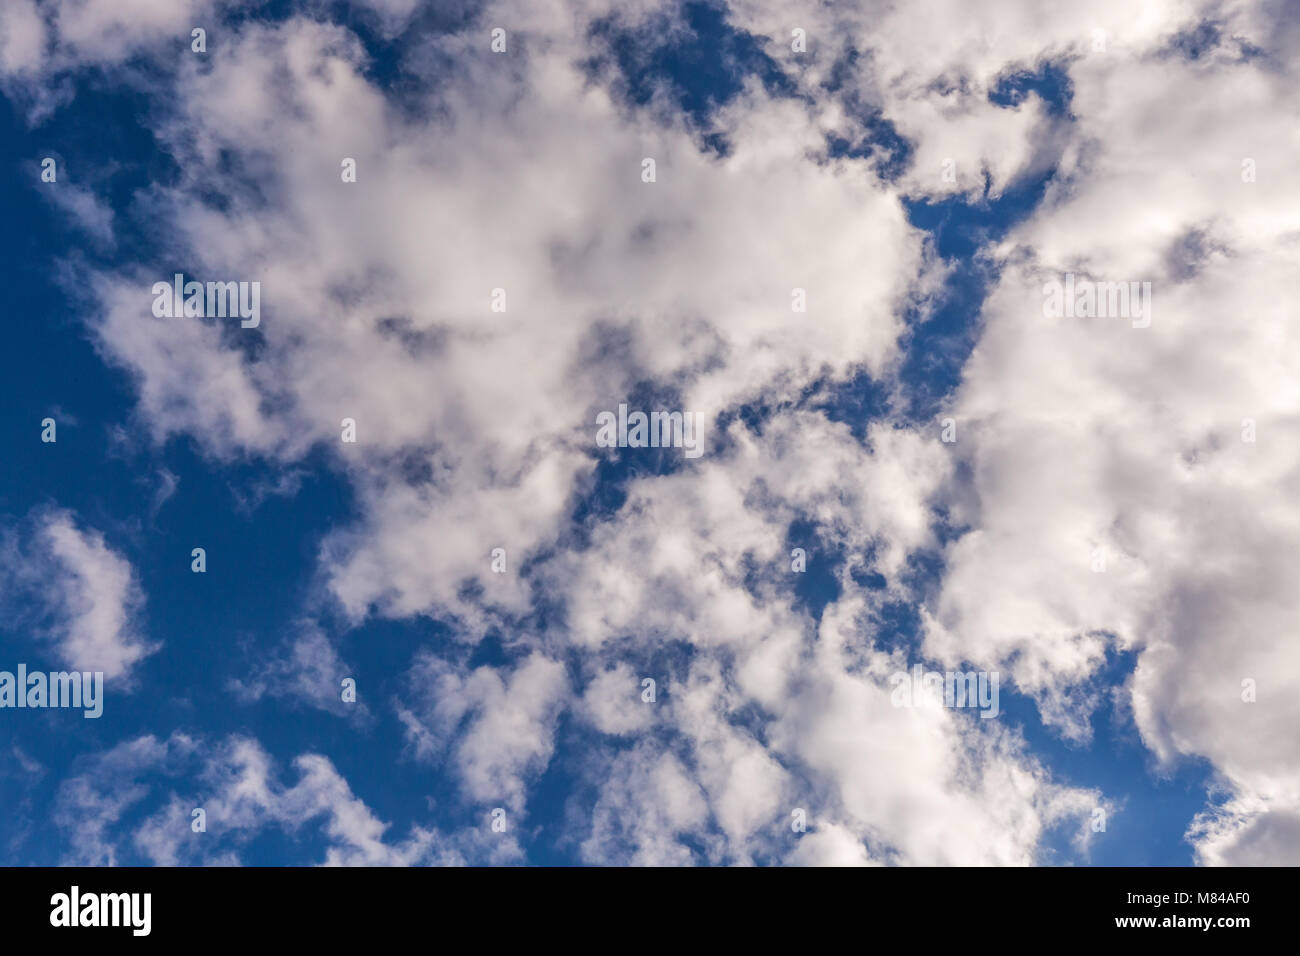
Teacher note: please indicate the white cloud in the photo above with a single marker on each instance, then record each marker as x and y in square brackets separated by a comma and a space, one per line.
[90, 213]
[475, 428]
[22, 36]
[89, 594]
[237, 785]
[498, 726]
[366, 283]
[646, 804]
[100, 597]
[307, 667]
[613, 702]
[1089, 434]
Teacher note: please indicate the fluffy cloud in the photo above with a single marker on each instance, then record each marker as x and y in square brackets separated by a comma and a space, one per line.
[89, 595]
[498, 729]
[390, 280]
[1163, 451]
[22, 36]
[1076, 437]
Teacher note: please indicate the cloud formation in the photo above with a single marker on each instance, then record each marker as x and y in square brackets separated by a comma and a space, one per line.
[501, 271]
[88, 596]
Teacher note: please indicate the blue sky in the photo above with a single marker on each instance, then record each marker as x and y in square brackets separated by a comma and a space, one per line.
[523, 690]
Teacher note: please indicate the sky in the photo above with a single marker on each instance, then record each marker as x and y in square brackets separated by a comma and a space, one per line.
[437, 619]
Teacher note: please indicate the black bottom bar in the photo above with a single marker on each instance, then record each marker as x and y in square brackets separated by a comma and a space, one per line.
[334, 906]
